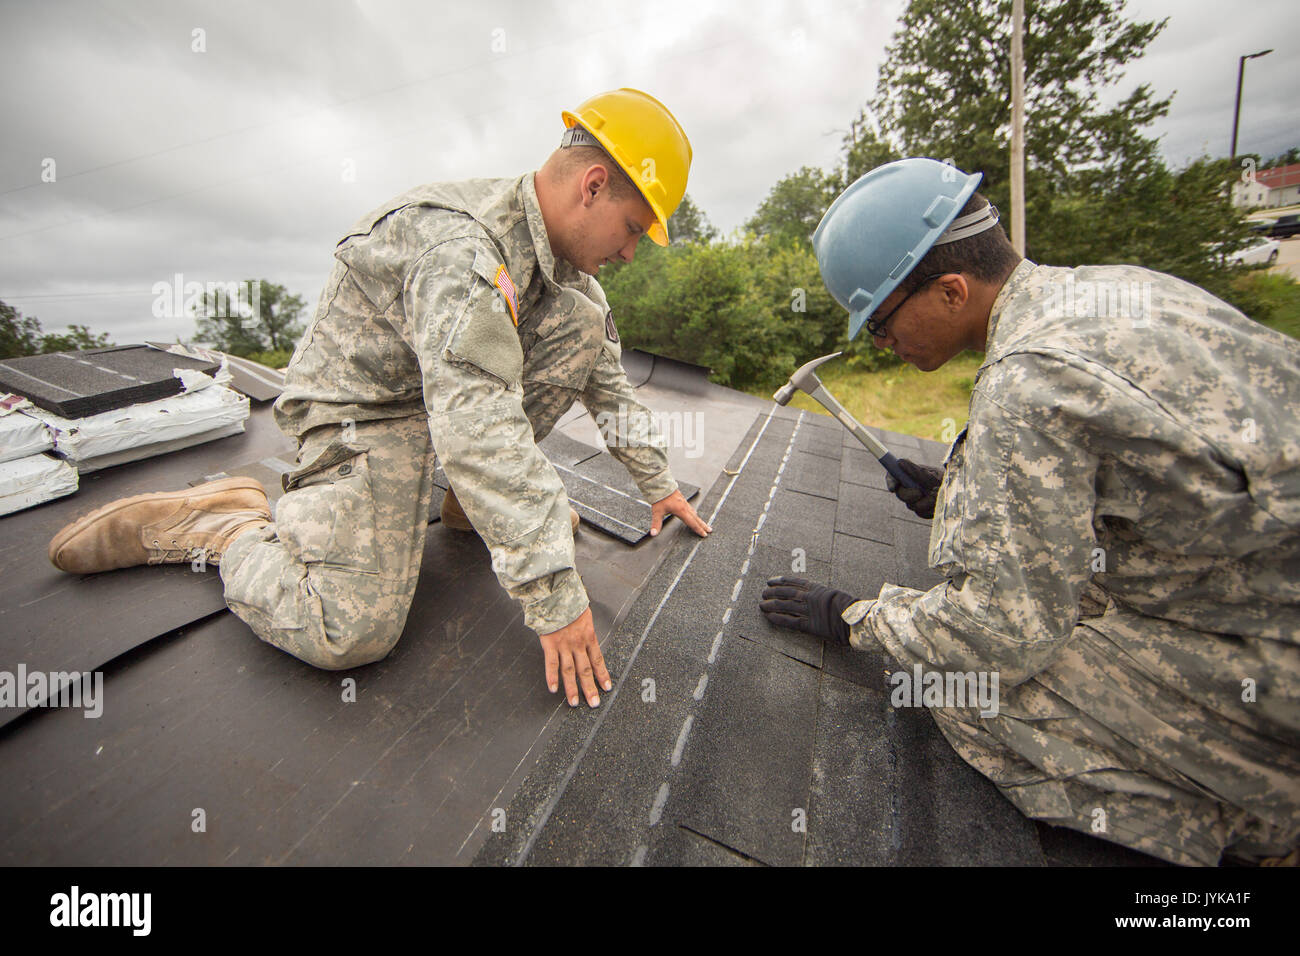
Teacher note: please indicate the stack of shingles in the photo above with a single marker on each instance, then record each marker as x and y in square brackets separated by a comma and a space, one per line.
[104, 407]
[28, 475]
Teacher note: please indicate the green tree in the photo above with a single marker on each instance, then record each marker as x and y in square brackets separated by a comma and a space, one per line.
[795, 205]
[689, 224]
[77, 338]
[18, 335]
[1182, 223]
[274, 329]
[945, 90]
[751, 311]
[1292, 155]
[1096, 189]
[21, 335]
[865, 149]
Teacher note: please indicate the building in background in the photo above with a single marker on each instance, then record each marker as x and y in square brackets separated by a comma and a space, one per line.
[1269, 188]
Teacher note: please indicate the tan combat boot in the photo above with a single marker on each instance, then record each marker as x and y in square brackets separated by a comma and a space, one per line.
[453, 515]
[171, 527]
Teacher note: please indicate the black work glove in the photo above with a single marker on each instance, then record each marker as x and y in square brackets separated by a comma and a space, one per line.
[812, 608]
[920, 501]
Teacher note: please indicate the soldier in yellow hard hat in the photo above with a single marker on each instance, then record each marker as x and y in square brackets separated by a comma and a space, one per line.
[463, 319]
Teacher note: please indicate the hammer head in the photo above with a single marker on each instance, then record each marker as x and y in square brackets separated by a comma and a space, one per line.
[804, 380]
[784, 394]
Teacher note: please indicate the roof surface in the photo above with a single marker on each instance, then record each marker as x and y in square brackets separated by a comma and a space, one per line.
[1279, 176]
[725, 741]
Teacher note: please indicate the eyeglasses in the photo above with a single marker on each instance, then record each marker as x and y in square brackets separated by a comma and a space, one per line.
[876, 326]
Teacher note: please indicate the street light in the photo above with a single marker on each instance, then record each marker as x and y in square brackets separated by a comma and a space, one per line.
[1236, 113]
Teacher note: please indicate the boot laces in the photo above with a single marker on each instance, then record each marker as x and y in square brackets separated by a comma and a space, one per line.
[177, 553]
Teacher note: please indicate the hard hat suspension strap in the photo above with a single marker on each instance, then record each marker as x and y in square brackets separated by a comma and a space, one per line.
[577, 136]
[965, 226]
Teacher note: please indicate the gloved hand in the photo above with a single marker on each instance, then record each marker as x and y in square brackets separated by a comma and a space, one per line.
[920, 501]
[812, 608]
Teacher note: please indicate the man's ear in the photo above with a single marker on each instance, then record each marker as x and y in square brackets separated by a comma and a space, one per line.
[956, 290]
[595, 179]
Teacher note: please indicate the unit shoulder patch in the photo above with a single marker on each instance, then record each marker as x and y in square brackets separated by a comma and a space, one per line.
[611, 332]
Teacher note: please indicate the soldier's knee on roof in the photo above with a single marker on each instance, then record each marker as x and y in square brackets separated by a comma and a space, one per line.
[356, 643]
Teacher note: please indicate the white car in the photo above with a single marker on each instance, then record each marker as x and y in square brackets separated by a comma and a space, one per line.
[1261, 251]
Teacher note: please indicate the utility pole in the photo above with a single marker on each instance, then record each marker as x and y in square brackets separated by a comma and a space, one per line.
[1236, 112]
[1018, 126]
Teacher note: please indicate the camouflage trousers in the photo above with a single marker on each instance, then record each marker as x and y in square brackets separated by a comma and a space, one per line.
[1119, 776]
[331, 580]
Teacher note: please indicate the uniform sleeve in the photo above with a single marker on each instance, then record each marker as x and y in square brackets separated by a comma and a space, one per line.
[1013, 532]
[471, 363]
[627, 426]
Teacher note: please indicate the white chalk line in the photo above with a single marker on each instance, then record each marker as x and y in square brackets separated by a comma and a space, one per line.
[681, 740]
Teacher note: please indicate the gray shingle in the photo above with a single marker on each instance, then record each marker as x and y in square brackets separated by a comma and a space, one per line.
[746, 768]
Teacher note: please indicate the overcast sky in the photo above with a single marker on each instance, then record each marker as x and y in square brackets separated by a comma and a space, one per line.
[234, 162]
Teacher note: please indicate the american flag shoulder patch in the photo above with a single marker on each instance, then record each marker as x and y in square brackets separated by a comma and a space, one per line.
[508, 290]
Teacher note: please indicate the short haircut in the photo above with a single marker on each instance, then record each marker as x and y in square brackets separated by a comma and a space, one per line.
[573, 159]
[987, 256]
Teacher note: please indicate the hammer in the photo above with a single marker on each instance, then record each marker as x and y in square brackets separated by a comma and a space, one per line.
[806, 380]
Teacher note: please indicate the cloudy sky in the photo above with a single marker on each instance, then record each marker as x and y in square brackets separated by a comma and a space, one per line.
[250, 156]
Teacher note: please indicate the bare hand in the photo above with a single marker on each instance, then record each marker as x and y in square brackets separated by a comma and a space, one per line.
[677, 504]
[573, 650]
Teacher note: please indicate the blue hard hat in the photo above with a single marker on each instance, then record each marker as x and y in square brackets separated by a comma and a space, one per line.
[879, 228]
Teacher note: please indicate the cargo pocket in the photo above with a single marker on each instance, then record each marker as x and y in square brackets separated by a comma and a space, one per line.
[327, 515]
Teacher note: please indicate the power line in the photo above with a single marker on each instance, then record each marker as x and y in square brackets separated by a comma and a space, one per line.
[76, 295]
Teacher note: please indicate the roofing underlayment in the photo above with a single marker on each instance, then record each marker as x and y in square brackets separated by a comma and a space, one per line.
[725, 741]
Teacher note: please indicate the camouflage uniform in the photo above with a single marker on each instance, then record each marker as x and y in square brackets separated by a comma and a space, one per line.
[419, 346]
[1120, 529]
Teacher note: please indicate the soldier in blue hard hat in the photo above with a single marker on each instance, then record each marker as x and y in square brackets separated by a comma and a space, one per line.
[1119, 526]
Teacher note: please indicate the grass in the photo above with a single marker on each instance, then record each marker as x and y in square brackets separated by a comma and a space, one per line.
[276, 358]
[931, 405]
[1273, 299]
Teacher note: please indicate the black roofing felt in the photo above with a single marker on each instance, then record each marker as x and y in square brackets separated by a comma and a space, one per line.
[286, 771]
[752, 745]
[55, 621]
[77, 384]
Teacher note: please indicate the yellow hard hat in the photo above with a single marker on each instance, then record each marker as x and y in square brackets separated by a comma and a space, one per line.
[646, 140]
